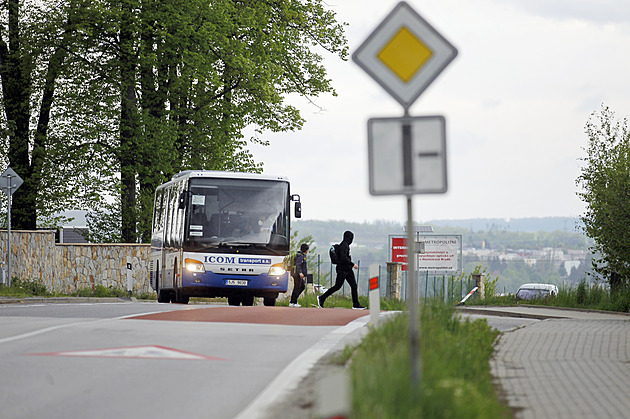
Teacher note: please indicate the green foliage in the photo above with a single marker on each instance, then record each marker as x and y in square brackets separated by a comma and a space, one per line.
[127, 93]
[334, 301]
[25, 288]
[605, 181]
[456, 380]
[100, 291]
[35, 288]
[592, 296]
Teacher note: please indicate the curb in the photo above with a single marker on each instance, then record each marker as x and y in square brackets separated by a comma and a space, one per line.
[501, 313]
[65, 300]
[504, 311]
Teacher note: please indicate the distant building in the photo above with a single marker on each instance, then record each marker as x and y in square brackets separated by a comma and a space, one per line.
[72, 235]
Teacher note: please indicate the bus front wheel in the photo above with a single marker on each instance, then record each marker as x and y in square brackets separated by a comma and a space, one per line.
[269, 301]
[180, 298]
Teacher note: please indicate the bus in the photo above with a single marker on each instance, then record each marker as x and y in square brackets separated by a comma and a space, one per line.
[221, 234]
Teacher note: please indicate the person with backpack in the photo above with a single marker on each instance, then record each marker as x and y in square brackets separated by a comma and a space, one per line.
[299, 273]
[341, 255]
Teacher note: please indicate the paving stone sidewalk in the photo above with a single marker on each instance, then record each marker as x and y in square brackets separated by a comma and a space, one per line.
[577, 366]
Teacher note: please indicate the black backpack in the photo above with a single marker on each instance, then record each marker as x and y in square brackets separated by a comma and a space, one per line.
[334, 254]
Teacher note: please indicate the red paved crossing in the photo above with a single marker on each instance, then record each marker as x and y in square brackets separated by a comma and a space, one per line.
[261, 314]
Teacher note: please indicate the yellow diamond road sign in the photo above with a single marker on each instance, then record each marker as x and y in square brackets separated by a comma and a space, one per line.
[404, 54]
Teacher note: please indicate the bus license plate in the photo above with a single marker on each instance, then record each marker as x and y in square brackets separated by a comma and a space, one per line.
[239, 282]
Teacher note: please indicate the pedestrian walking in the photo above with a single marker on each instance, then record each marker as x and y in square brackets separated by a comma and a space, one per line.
[300, 271]
[344, 273]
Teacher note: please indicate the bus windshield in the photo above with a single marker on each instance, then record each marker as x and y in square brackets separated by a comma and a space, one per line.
[228, 213]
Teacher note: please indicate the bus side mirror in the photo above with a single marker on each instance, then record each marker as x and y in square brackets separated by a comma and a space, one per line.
[183, 200]
[298, 205]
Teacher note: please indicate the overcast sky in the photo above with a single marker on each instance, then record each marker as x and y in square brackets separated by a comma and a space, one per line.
[528, 75]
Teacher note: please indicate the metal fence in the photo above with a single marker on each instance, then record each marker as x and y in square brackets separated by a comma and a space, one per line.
[450, 288]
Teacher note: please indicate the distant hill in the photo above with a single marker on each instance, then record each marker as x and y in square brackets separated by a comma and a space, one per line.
[326, 232]
[517, 233]
[524, 225]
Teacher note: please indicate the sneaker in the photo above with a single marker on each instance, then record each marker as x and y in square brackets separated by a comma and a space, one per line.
[296, 305]
[319, 303]
[359, 308]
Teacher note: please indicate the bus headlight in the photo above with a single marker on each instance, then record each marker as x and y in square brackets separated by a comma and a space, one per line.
[193, 265]
[277, 270]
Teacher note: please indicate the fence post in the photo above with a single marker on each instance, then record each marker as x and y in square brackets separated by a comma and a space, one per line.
[480, 280]
[394, 280]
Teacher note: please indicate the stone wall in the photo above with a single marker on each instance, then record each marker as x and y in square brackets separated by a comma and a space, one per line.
[69, 267]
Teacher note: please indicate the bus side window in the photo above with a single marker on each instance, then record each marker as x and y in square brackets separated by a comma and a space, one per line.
[171, 213]
[157, 211]
[178, 216]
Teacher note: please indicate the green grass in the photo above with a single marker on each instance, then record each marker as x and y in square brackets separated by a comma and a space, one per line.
[24, 288]
[456, 380]
[338, 300]
[584, 296]
[33, 288]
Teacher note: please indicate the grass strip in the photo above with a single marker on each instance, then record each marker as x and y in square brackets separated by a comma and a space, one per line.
[456, 380]
[584, 296]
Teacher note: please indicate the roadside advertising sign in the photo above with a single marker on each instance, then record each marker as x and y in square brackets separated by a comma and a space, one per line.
[441, 253]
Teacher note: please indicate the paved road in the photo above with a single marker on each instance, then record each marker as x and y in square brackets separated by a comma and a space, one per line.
[119, 360]
[569, 364]
[549, 363]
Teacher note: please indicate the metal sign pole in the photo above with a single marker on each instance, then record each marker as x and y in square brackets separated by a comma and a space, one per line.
[412, 301]
[9, 196]
[405, 69]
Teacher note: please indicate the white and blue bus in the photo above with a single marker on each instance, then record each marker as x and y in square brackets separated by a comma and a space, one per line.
[221, 234]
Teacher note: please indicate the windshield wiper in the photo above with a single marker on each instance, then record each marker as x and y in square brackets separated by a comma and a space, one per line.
[237, 244]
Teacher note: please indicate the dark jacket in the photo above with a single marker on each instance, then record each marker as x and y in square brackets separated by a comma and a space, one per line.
[345, 260]
[300, 264]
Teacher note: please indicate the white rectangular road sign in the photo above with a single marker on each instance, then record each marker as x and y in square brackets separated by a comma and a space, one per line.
[416, 168]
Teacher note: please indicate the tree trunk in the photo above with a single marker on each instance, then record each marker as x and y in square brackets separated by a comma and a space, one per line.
[128, 115]
[16, 88]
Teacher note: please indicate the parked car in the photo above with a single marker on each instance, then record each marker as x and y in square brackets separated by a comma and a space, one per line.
[533, 291]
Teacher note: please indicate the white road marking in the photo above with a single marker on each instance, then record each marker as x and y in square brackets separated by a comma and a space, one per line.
[141, 352]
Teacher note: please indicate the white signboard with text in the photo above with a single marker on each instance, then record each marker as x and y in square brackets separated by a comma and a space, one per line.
[441, 253]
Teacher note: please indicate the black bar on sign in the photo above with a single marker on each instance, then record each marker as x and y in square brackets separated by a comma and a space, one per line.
[429, 154]
[407, 161]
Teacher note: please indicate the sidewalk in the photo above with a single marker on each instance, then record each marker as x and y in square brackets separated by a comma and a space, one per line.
[573, 364]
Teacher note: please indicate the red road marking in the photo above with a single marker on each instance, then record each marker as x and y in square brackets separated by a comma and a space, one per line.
[260, 315]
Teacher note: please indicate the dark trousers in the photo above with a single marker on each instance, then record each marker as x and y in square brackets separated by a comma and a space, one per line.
[298, 287]
[343, 276]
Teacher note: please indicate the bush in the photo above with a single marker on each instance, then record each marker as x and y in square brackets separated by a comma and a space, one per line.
[25, 288]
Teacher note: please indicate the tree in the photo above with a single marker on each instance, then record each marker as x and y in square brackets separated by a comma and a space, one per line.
[190, 75]
[53, 117]
[30, 63]
[104, 100]
[605, 181]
